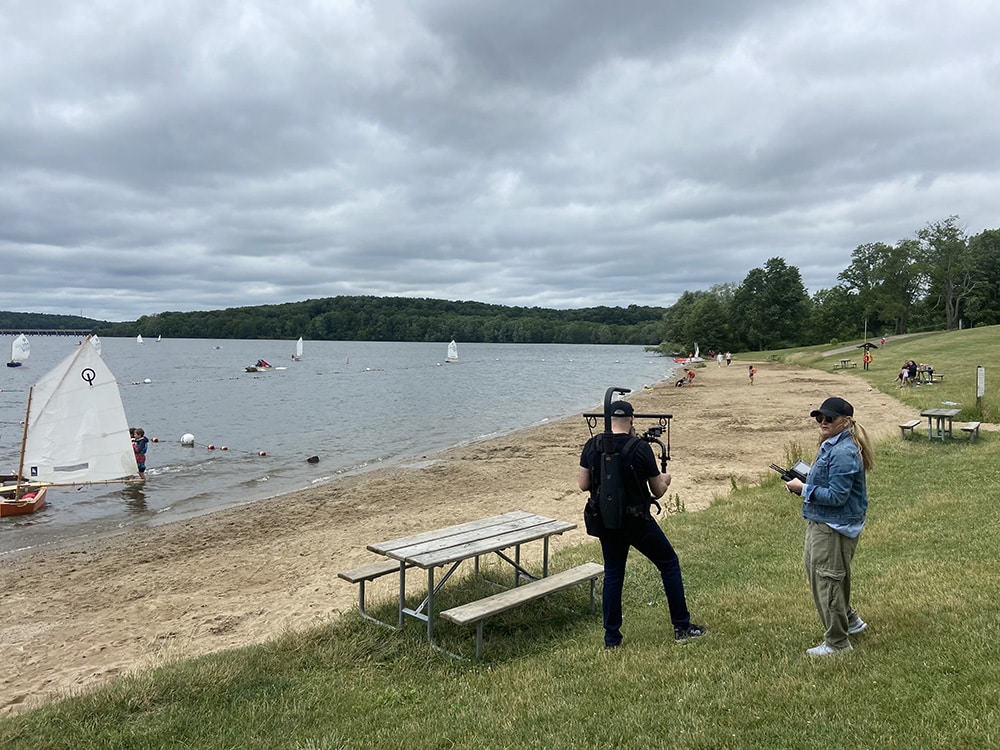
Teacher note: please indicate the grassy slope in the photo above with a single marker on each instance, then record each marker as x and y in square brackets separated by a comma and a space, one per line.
[927, 579]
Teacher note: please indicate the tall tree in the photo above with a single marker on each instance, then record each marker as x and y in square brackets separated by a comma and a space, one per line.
[983, 306]
[771, 306]
[949, 265]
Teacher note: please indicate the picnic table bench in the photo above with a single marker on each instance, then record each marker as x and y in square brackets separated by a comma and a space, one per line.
[973, 429]
[363, 575]
[478, 611]
[908, 427]
[845, 363]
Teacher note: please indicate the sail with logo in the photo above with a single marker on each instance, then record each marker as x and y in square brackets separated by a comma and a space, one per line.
[75, 433]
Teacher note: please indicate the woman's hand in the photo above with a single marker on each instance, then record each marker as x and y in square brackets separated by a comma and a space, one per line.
[794, 486]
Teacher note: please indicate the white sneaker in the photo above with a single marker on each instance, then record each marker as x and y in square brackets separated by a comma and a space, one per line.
[856, 627]
[824, 649]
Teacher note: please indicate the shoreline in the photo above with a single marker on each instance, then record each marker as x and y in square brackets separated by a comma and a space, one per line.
[76, 616]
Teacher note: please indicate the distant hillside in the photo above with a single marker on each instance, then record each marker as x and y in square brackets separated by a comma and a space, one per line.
[42, 321]
[405, 319]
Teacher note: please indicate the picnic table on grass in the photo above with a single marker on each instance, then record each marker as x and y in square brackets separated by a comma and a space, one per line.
[939, 422]
[449, 547]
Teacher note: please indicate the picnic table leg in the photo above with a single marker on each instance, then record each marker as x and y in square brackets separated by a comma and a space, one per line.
[517, 566]
[430, 604]
[402, 592]
[545, 559]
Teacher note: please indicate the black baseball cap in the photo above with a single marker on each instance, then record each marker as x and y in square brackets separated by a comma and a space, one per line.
[833, 407]
[621, 409]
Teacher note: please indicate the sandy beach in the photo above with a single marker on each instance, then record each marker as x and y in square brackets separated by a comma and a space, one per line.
[74, 618]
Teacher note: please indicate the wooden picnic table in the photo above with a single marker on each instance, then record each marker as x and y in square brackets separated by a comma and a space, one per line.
[936, 422]
[846, 363]
[451, 546]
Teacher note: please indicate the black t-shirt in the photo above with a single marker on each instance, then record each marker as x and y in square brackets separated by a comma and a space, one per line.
[642, 460]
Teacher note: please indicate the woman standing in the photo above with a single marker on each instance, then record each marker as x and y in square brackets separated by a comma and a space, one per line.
[834, 504]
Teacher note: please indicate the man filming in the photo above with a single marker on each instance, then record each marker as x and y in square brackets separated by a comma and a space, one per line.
[643, 482]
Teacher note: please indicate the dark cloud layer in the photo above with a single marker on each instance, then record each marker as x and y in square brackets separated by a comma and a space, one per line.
[187, 155]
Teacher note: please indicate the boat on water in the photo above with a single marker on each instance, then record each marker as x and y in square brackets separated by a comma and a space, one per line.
[75, 433]
[298, 350]
[452, 358]
[138, 339]
[262, 365]
[20, 350]
[693, 359]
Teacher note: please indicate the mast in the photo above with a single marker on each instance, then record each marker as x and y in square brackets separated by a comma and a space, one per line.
[24, 439]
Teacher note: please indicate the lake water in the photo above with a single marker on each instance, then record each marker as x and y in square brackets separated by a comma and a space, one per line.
[355, 405]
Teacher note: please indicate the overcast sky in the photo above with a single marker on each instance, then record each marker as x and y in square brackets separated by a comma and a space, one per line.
[193, 155]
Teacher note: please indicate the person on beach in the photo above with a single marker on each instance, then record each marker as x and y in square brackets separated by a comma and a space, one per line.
[751, 372]
[139, 444]
[729, 359]
[834, 505]
[642, 483]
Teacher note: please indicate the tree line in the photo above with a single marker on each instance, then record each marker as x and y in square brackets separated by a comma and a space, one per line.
[938, 279]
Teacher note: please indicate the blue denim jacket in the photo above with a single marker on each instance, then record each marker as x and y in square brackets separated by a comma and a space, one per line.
[835, 490]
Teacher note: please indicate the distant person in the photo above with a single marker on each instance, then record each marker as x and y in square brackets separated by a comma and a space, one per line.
[641, 485]
[883, 341]
[868, 358]
[139, 444]
[688, 379]
[834, 505]
[751, 372]
[718, 358]
[729, 359]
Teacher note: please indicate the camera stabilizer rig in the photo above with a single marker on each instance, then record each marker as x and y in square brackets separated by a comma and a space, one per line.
[610, 500]
[651, 435]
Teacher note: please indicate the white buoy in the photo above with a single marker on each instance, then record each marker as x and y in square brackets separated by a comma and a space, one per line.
[147, 380]
[187, 439]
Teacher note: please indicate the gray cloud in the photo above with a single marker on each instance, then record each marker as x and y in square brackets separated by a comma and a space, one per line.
[186, 156]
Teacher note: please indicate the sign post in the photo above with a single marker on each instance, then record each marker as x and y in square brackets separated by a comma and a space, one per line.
[980, 387]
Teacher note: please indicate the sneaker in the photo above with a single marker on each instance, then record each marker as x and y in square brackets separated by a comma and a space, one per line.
[856, 627]
[824, 649]
[690, 631]
[612, 646]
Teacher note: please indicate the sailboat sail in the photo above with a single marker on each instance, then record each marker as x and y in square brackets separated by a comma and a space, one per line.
[96, 341]
[298, 348]
[452, 351]
[138, 339]
[76, 428]
[20, 350]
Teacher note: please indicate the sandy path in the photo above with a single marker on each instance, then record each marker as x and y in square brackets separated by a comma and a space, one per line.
[71, 619]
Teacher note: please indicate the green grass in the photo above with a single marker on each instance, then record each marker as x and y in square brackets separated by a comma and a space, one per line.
[927, 674]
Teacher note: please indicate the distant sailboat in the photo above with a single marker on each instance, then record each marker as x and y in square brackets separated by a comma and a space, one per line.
[75, 433]
[298, 350]
[138, 339]
[452, 358]
[20, 350]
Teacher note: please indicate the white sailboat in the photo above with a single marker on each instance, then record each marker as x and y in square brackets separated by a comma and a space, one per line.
[138, 339]
[20, 350]
[452, 358]
[75, 432]
[298, 350]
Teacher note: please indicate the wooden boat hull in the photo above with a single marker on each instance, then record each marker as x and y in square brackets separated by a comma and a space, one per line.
[24, 506]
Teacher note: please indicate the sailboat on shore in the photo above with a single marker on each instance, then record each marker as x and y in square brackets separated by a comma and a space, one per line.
[20, 350]
[75, 433]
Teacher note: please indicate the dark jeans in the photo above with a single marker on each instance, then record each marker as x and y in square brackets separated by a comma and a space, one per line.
[648, 538]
